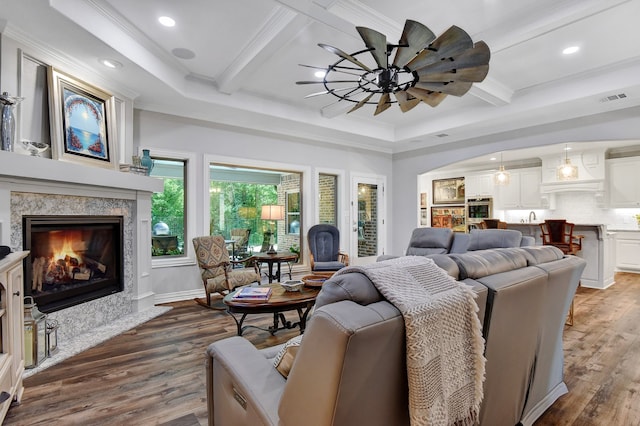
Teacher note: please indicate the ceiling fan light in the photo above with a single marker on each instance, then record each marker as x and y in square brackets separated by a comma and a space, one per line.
[425, 67]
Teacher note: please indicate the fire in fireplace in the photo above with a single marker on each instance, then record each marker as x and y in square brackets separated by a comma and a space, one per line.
[73, 259]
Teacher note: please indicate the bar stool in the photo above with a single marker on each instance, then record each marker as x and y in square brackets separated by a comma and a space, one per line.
[559, 233]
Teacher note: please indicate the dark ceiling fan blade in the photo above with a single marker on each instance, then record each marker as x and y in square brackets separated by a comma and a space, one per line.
[359, 104]
[455, 88]
[450, 43]
[383, 103]
[405, 101]
[416, 37]
[479, 55]
[466, 74]
[326, 92]
[314, 67]
[322, 81]
[377, 42]
[429, 97]
[344, 55]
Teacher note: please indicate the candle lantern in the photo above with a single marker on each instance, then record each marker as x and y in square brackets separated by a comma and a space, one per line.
[35, 331]
[52, 337]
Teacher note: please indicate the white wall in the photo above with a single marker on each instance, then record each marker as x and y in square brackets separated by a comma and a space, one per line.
[206, 140]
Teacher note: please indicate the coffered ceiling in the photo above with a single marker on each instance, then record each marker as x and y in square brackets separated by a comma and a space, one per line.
[235, 62]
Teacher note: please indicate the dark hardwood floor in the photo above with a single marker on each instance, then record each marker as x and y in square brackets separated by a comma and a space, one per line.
[154, 374]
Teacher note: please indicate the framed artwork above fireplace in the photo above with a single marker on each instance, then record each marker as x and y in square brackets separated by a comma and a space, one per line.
[83, 128]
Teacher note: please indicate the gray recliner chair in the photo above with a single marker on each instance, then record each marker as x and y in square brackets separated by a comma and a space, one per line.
[324, 247]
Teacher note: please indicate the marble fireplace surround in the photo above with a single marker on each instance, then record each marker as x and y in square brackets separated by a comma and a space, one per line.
[32, 185]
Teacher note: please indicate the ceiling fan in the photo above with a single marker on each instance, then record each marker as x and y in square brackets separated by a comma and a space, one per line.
[424, 68]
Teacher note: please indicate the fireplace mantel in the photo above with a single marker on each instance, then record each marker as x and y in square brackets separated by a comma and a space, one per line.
[17, 168]
[33, 185]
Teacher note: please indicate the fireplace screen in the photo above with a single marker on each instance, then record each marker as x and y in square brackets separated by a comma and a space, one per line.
[73, 259]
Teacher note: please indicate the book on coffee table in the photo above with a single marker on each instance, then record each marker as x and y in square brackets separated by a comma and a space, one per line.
[253, 293]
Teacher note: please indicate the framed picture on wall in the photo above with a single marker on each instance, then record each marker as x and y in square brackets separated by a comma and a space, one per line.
[424, 219]
[82, 121]
[448, 191]
[423, 200]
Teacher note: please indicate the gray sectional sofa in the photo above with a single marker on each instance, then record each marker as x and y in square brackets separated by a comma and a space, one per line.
[351, 369]
[428, 241]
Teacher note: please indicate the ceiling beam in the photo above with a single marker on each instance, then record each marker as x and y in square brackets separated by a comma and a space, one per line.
[278, 30]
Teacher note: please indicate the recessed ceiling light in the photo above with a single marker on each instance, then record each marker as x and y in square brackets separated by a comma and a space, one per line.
[110, 63]
[167, 21]
[492, 159]
[320, 74]
[570, 50]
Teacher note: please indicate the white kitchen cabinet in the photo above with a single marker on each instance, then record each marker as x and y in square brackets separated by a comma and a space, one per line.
[12, 330]
[628, 251]
[523, 192]
[624, 182]
[479, 185]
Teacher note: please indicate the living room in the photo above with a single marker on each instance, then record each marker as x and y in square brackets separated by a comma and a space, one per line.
[179, 113]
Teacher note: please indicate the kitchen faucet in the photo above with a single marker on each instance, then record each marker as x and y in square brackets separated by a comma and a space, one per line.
[534, 215]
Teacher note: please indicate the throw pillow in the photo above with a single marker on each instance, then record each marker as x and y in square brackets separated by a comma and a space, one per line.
[284, 360]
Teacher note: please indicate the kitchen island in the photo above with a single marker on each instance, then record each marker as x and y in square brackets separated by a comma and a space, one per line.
[627, 250]
[598, 249]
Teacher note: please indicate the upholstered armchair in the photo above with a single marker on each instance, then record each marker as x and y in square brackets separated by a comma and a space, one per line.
[215, 266]
[240, 236]
[324, 248]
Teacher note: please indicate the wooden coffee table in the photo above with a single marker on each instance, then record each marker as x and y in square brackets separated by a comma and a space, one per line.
[280, 301]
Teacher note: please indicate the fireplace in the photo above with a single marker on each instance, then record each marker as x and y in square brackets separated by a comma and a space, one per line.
[73, 259]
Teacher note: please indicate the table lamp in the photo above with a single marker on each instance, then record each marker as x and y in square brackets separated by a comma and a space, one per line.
[272, 213]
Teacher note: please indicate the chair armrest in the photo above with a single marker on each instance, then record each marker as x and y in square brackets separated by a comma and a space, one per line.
[577, 240]
[240, 377]
[343, 257]
[311, 261]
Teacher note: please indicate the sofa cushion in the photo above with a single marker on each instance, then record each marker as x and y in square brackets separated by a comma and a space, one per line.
[425, 241]
[328, 266]
[354, 287]
[480, 263]
[481, 239]
[284, 360]
[542, 254]
[445, 262]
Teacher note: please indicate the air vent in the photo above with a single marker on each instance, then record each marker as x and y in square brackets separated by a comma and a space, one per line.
[442, 135]
[613, 97]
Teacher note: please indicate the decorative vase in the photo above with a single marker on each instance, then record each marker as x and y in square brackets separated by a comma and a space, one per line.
[146, 161]
[7, 120]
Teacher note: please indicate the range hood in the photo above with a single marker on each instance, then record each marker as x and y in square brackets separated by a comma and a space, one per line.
[592, 185]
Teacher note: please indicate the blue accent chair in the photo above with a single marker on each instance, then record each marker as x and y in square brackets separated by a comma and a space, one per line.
[324, 247]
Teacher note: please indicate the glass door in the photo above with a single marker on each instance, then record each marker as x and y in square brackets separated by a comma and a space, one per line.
[367, 219]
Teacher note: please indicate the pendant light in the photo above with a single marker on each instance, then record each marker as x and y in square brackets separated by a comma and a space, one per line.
[501, 177]
[566, 170]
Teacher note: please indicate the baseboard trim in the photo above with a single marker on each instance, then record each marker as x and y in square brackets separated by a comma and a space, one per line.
[545, 403]
[178, 296]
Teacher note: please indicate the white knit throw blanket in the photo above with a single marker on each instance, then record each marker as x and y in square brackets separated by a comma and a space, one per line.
[445, 362]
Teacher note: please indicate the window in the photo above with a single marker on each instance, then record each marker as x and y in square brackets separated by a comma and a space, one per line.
[236, 199]
[168, 208]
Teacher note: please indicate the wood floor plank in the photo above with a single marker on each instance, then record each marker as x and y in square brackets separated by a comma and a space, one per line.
[154, 373]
